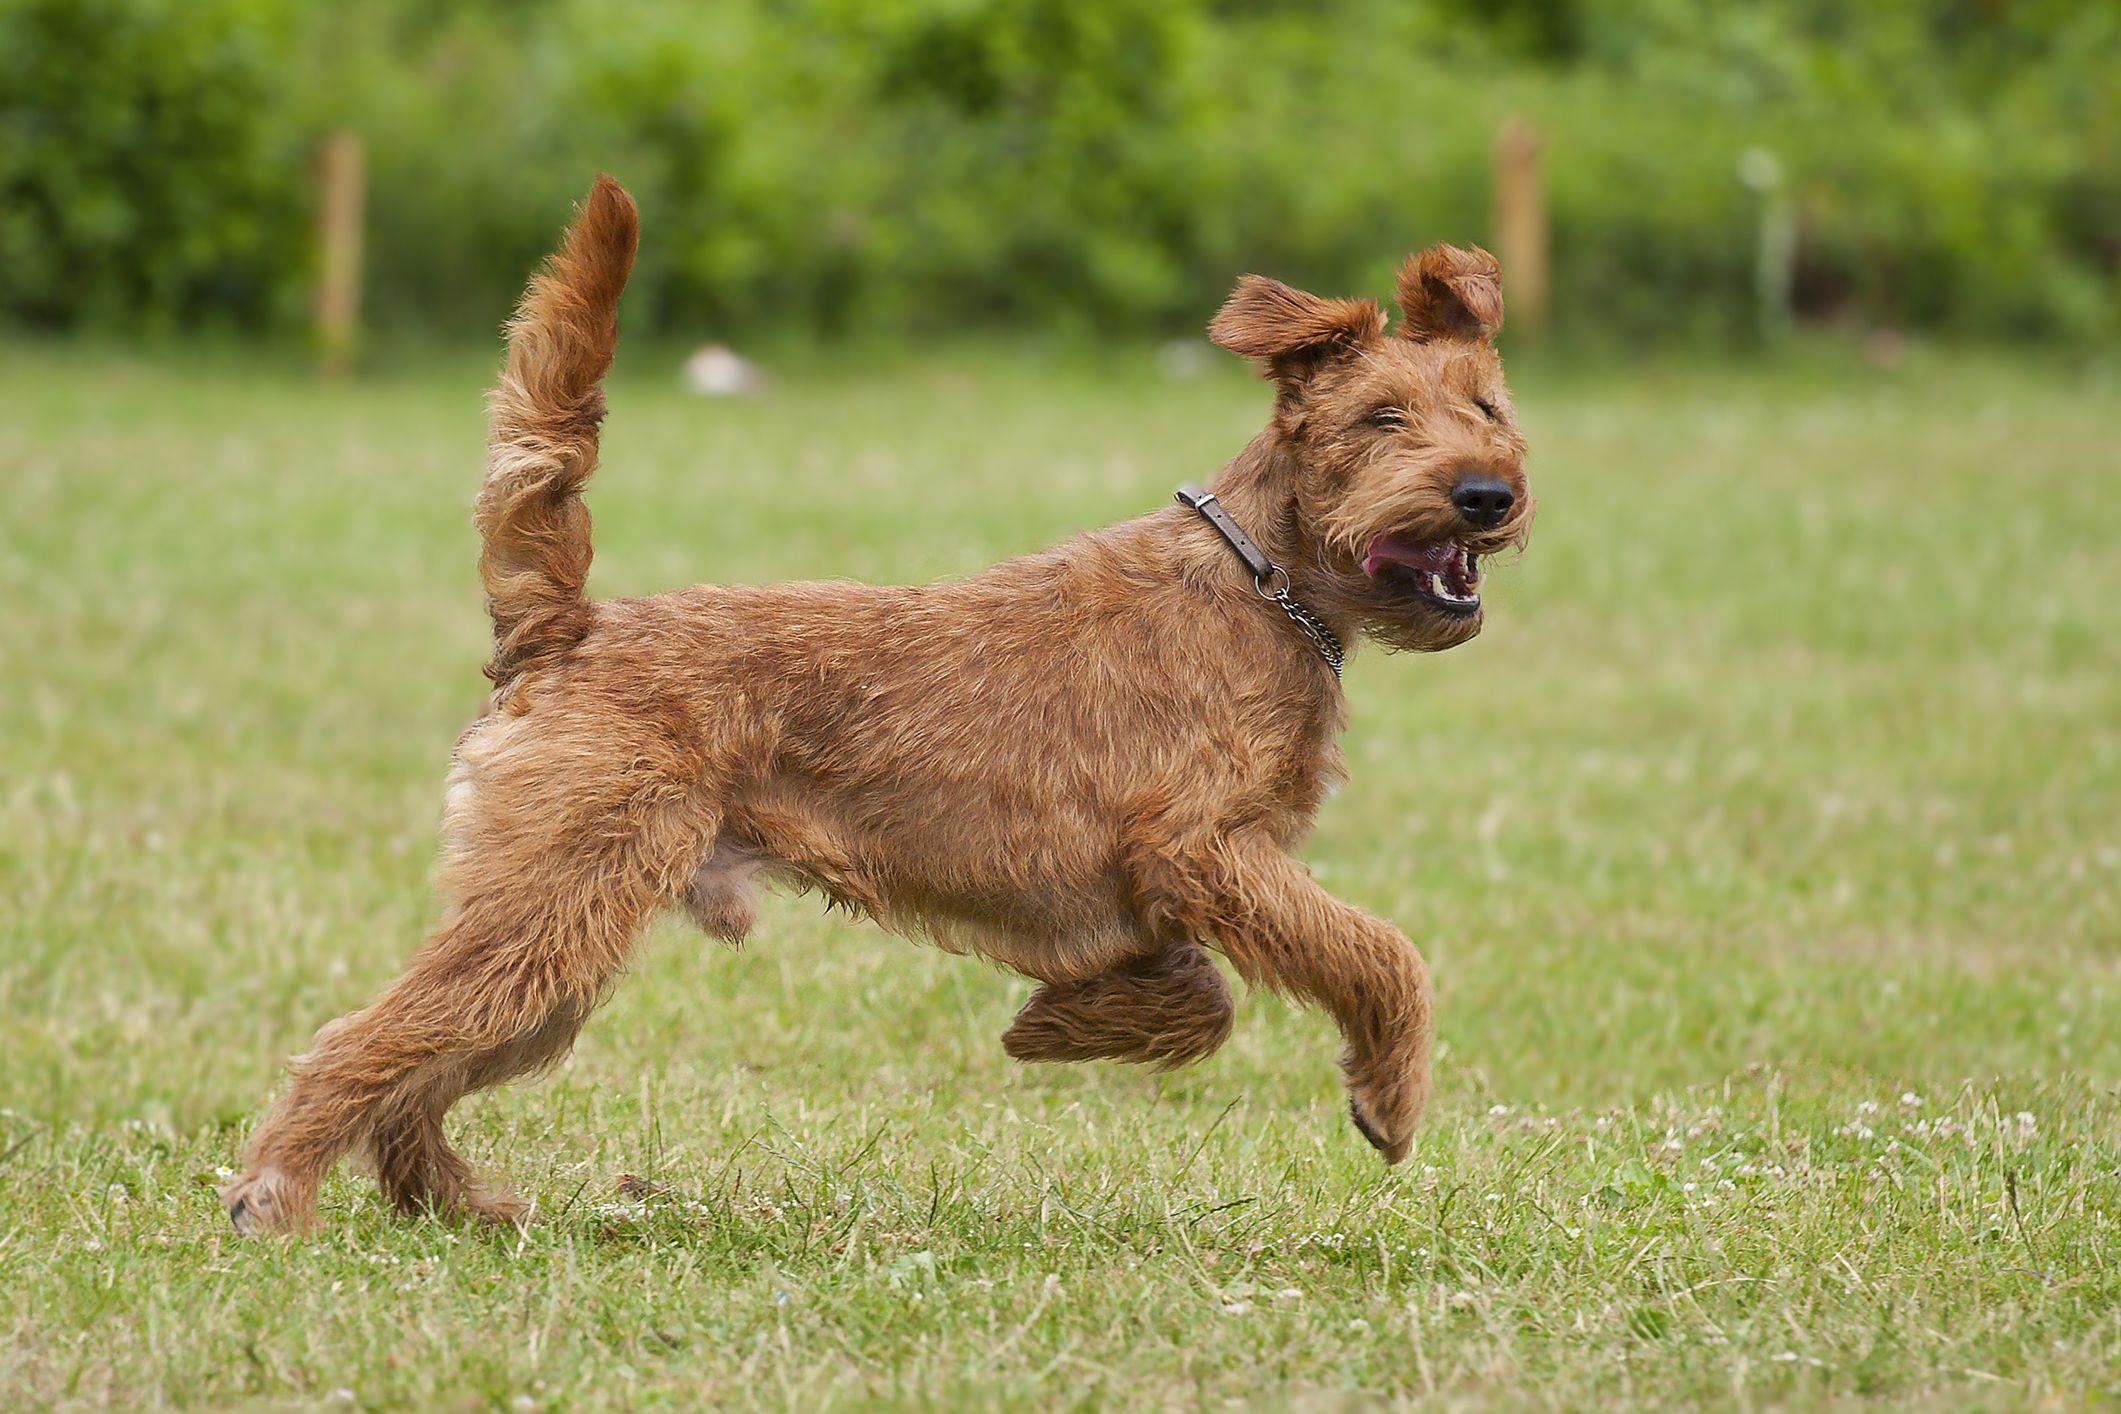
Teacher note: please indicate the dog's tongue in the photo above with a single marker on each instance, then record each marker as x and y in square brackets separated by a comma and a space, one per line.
[1417, 555]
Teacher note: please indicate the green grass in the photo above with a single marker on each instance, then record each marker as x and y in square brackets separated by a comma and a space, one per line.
[1766, 850]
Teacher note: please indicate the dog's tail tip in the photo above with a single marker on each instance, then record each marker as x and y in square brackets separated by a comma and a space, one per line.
[604, 237]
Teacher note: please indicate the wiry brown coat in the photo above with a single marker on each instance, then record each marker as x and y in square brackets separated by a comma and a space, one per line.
[1087, 764]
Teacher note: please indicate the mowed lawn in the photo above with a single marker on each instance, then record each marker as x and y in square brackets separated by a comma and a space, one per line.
[1766, 850]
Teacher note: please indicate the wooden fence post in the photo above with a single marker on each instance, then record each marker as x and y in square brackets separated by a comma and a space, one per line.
[1521, 225]
[1775, 254]
[338, 306]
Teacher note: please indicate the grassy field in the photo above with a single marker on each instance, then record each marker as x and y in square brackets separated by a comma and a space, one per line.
[1766, 850]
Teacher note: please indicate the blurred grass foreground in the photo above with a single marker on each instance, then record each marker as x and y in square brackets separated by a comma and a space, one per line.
[834, 165]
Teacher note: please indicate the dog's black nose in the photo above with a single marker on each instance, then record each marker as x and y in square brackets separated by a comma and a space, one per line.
[1484, 501]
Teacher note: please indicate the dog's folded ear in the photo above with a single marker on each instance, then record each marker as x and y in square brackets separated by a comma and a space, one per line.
[1448, 293]
[1291, 330]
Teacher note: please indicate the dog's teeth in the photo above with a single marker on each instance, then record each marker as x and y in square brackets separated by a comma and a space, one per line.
[1436, 585]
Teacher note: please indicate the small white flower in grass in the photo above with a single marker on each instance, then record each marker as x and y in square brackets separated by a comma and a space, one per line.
[1498, 1109]
[1290, 1293]
[341, 1395]
[1910, 1100]
[522, 1402]
[2025, 1122]
[1461, 1300]
[1053, 1281]
[224, 1172]
[117, 1194]
[1867, 1107]
[1358, 1324]
[1492, 1197]
[1236, 1308]
[92, 1244]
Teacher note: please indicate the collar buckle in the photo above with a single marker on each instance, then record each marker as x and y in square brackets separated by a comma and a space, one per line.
[1264, 574]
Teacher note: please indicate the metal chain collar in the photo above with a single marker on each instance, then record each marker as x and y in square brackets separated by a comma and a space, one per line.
[1324, 639]
[1264, 573]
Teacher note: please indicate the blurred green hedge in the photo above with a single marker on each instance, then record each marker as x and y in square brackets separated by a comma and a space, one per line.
[846, 165]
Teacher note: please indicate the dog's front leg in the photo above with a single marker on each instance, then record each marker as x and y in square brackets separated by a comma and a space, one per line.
[1163, 1009]
[1281, 930]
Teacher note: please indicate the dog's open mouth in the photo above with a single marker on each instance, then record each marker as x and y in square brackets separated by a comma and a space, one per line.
[1439, 572]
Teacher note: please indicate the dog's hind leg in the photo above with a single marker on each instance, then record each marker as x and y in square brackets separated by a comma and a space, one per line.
[498, 983]
[1166, 1009]
[415, 1165]
[551, 888]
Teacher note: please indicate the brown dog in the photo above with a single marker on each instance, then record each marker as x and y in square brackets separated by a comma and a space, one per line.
[1088, 764]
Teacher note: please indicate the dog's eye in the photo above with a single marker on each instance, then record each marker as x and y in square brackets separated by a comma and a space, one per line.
[1487, 409]
[1388, 418]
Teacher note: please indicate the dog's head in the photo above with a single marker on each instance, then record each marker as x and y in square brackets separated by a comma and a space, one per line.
[1409, 464]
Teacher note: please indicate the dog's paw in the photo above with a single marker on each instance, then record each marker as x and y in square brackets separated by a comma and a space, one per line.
[1386, 1102]
[493, 1208]
[259, 1203]
[1393, 1148]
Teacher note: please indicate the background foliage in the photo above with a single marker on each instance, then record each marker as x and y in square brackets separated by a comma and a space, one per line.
[832, 165]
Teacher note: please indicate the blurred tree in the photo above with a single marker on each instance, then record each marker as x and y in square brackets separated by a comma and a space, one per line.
[841, 164]
[147, 174]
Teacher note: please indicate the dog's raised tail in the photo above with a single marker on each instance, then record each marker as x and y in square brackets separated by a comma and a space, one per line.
[541, 440]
